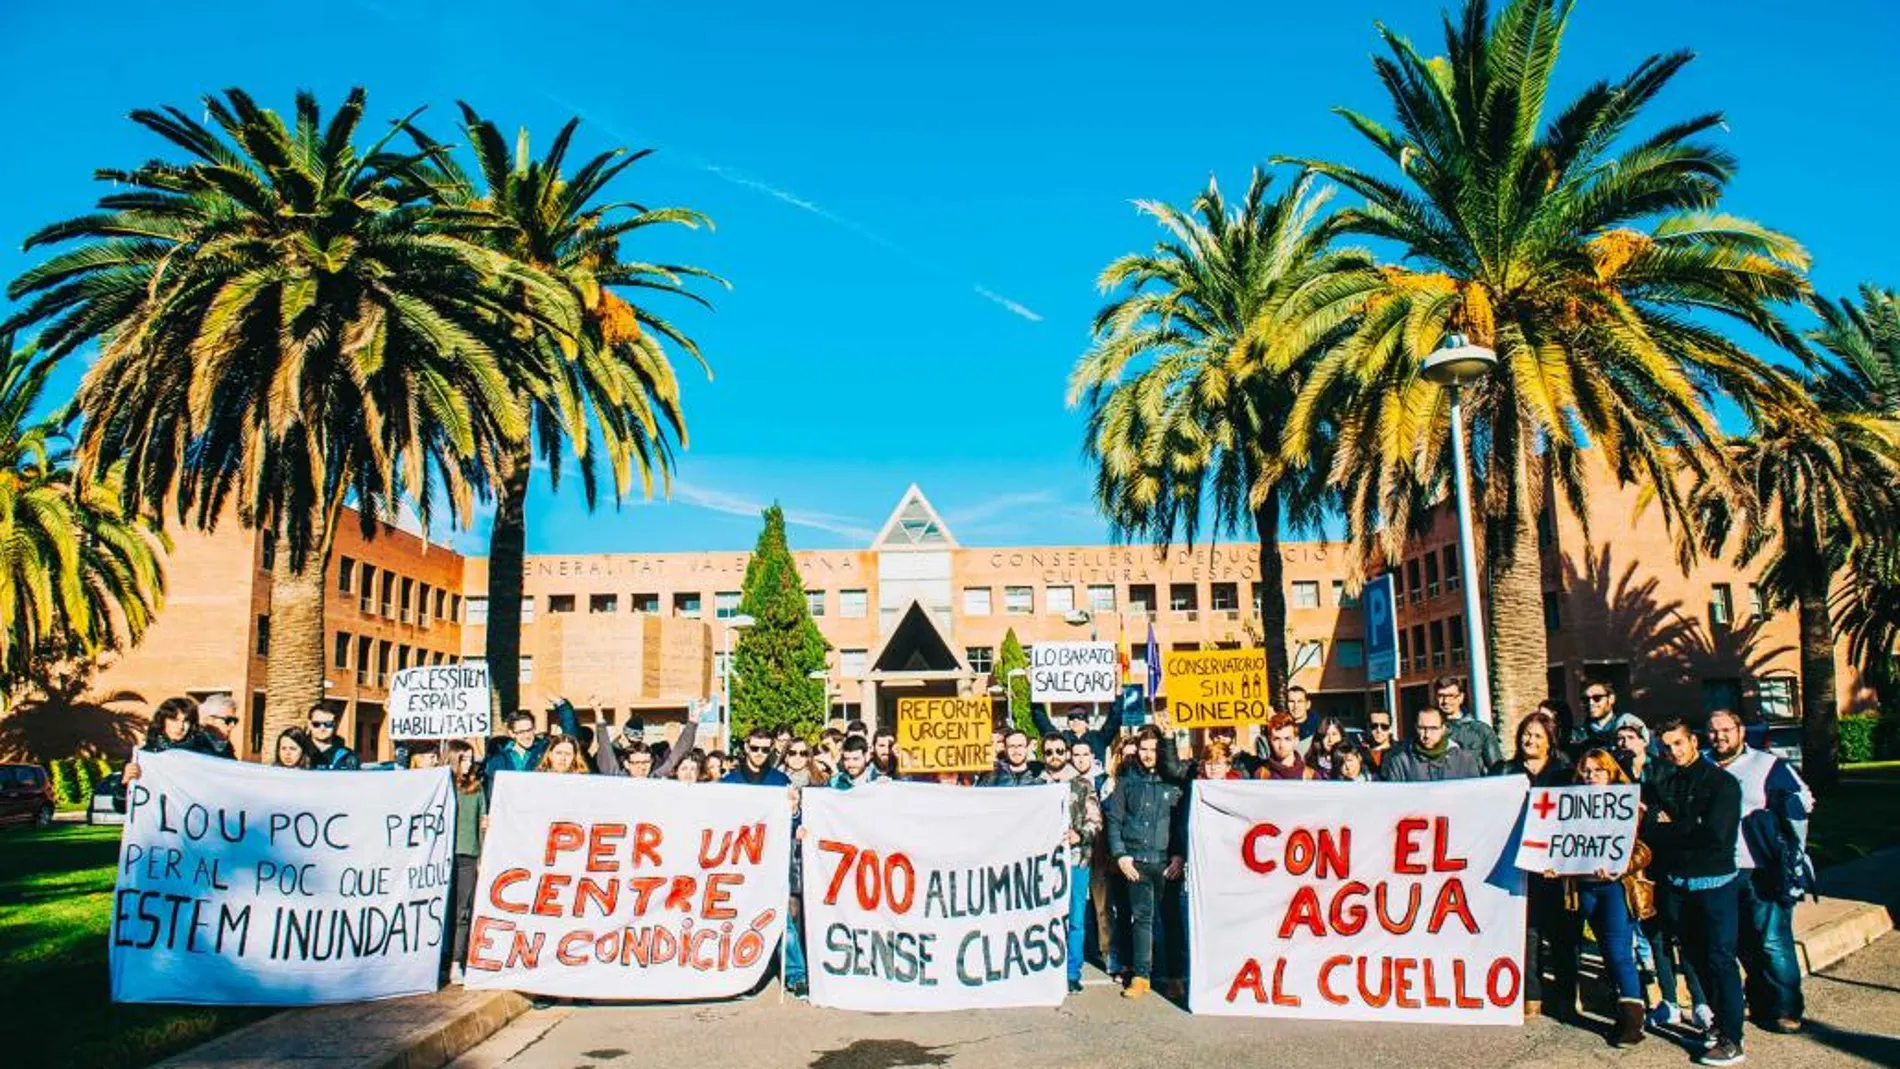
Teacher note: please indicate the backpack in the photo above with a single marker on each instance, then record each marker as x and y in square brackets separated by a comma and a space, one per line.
[1783, 872]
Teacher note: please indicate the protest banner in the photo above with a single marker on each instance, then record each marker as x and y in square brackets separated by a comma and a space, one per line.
[244, 884]
[1074, 672]
[604, 887]
[944, 734]
[1215, 688]
[928, 897]
[1574, 831]
[445, 701]
[1357, 901]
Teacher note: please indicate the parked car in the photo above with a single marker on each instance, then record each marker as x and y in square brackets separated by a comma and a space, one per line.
[26, 795]
[1784, 741]
[107, 805]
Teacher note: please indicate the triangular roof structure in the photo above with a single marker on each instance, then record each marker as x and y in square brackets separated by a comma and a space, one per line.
[915, 646]
[914, 524]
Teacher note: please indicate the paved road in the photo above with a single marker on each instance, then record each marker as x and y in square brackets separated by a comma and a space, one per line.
[1854, 1021]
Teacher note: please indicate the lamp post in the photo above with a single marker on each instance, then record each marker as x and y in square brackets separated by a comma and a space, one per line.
[736, 623]
[1457, 363]
[823, 675]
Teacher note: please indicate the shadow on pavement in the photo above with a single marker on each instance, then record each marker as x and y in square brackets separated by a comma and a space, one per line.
[1875, 1048]
[880, 1054]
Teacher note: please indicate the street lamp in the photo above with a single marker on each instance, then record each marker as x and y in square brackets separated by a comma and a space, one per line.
[823, 674]
[1454, 364]
[736, 623]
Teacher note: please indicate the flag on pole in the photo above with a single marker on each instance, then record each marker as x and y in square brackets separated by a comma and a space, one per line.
[1153, 654]
[1123, 654]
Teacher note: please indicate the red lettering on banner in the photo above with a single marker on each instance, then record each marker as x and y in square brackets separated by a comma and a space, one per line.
[563, 835]
[681, 895]
[1303, 910]
[1326, 978]
[646, 845]
[1384, 994]
[1348, 917]
[643, 888]
[1432, 997]
[546, 895]
[605, 895]
[1506, 968]
[1280, 997]
[1464, 1001]
[1413, 895]
[525, 951]
[602, 842]
[478, 942]
[1403, 847]
[1441, 841]
[508, 878]
[1248, 979]
[1249, 848]
[563, 953]
[718, 895]
[1451, 902]
[1402, 983]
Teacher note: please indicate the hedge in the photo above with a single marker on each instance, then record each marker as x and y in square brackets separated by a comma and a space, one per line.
[75, 777]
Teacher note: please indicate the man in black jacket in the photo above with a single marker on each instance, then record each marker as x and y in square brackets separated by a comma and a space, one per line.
[1015, 769]
[1691, 822]
[1148, 843]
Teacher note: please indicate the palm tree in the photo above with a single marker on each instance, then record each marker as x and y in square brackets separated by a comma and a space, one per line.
[612, 378]
[77, 576]
[1592, 260]
[284, 324]
[1186, 409]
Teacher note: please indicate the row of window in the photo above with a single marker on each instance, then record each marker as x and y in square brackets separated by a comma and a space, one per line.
[374, 659]
[1434, 646]
[381, 592]
[1182, 597]
[1426, 576]
[1721, 606]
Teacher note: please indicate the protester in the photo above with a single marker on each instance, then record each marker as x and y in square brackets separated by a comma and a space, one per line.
[1632, 752]
[1431, 756]
[522, 749]
[1772, 854]
[1015, 768]
[1552, 931]
[426, 759]
[859, 768]
[718, 763]
[563, 755]
[173, 724]
[1468, 732]
[996, 745]
[884, 754]
[798, 766]
[691, 767]
[626, 753]
[1082, 763]
[831, 743]
[293, 749]
[1299, 706]
[1076, 725]
[1604, 902]
[1085, 823]
[1379, 735]
[781, 741]
[1326, 737]
[1217, 761]
[1282, 761]
[1351, 763]
[755, 765]
[217, 719]
[1559, 712]
[1147, 842]
[858, 728]
[1598, 732]
[1054, 751]
[1239, 759]
[1692, 820]
[330, 753]
[471, 824]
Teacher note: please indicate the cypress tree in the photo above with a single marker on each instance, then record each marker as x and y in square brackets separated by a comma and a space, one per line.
[1012, 656]
[772, 661]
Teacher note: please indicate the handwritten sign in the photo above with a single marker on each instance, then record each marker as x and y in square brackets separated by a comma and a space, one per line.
[447, 701]
[244, 884]
[1574, 831]
[944, 734]
[608, 887]
[1215, 688]
[1074, 672]
[897, 920]
[1361, 902]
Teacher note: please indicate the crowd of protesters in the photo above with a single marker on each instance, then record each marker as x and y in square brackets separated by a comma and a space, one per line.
[1708, 894]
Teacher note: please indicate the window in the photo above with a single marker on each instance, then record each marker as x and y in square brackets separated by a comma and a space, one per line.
[725, 604]
[389, 594]
[1183, 597]
[602, 604]
[557, 603]
[1398, 585]
[1306, 594]
[263, 636]
[1456, 630]
[270, 550]
[362, 660]
[402, 658]
[257, 724]
[1721, 605]
[852, 604]
[368, 588]
[1225, 597]
[382, 662]
[527, 609]
[1722, 694]
[455, 607]
[815, 602]
[982, 658]
[1412, 581]
[1438, 642]
[341, 655]
[441, 596]
[1553, 612]
[1059, 599]
[1405, 650]
[346, 575]
[1452, 575]
[1757, 603]
[1419, 652]
[1308, 653]
[1259, 599]
[527, 669]
[422, 604]
[976, 601]
[647, 603]
[408, 596]
[851, 663]
[1349, 653]
[1019, 600]
[478, 611]
[1141, 598]
[686, 605]
[1102, 598]
[1431, 575]
[1343, 599]
[1775, 695]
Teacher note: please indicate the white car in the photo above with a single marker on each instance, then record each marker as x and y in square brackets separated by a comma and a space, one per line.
[107, 804]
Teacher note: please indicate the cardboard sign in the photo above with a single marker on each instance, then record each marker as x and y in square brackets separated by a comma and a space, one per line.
[1074, 672]
[445, 701]
[1575, 831]
[1357, 901]
[944, 734]
[1215, 688]
[248, 885]
[613, 888]
[900, 919]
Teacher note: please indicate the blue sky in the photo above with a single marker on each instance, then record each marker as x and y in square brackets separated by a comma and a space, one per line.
[913, 201]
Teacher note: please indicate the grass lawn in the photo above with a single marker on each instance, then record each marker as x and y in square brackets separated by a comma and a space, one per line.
[55, 913]
[1860, 818]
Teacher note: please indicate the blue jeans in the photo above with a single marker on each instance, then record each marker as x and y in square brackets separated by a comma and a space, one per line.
[1711, 921]
[794, 942]
[1078, 917]
[1664, 933]
[1609, 915]
[1768, 954]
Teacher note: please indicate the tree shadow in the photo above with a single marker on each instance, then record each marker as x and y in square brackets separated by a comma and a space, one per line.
[54, 717]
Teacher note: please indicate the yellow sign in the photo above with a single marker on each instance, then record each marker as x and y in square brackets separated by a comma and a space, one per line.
[1215, 688]
[944, 734]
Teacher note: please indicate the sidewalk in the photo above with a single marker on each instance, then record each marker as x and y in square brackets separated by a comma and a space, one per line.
[1857, 906]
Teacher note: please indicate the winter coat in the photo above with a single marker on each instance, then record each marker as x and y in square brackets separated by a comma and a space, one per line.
[1144, 818]
[1704, 805]
[1409, 765]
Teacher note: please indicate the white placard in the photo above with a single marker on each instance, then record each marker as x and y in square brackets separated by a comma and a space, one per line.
[1074, 672]
[244, 884]
[927, 897]
[604, 887]
[1357, 901]
[1577, 830]
[444, 701]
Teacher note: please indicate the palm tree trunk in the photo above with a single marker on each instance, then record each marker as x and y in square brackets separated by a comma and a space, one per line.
[507, 547]
[1820, 727]
[1514, 603]
[293, 670]
[1266, 522]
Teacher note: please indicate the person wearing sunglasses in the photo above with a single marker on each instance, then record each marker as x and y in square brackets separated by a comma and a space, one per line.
[798, 763]
[1600, 719]
[327, 752]
[1378, 739]
[217, 721]
[755, 762]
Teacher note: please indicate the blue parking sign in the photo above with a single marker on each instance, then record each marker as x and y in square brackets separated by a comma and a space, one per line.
[1382, 629]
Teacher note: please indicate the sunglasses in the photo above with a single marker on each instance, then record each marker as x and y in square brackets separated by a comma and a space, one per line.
[227, 720]
[798, 751]
[1379, 725]
[1596, 697]
[750, 748]
[323, 723]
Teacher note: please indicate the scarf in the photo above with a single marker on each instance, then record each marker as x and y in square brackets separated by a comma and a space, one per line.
[1435, 752]
[1294, 769]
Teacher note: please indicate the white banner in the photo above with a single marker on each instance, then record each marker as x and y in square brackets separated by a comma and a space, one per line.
[1074, 672]
[927, 897]
[613, 888]
[243, 884]
[445, 701]
[1357, 901]
[1575, 831]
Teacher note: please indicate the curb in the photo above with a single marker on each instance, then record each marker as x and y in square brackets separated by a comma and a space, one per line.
[1851, 928]
[420, 1032]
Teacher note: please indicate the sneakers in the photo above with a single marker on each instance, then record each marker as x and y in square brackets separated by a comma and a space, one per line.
[1783, 1026]
[1665, 1015]
[1075, 987]
[1723, 1053]
[1703, 1017]
[1136, 987]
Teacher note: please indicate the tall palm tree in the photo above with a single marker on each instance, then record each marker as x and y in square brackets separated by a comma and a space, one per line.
[1590, 258]
[283, 323]
[1185, 407]
[77, 575]
[611, 379]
